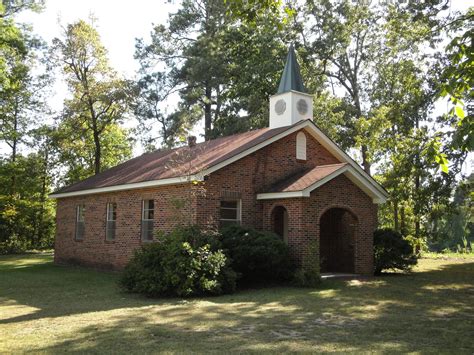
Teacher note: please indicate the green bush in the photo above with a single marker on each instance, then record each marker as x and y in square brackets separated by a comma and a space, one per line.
[13, 245]
[391, 251]
[185, 262]
[419, 245]
[308, 275]
[257, 256]
[25, 225]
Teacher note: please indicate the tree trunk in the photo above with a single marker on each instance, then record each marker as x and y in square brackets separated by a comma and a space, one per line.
[403, 228]
[365, 161]
[14, 150]
[208, 113]
[416, 197]
[417, 208]
[395, 215]
[43, 196]
[97, 152]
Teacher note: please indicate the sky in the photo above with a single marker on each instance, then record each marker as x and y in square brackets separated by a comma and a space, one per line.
[119, 23]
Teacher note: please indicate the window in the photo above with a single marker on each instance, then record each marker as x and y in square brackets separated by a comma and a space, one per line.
[111, 221]
[230, 212]
[301, 146]
[148, 215]
[80, 210]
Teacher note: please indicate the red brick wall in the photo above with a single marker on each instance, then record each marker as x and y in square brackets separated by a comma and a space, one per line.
[94, 250]
[304, 216]
[256, 173]
[246, 177]
[341, 192]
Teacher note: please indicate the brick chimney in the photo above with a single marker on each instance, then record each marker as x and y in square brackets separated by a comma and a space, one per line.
[191, 141]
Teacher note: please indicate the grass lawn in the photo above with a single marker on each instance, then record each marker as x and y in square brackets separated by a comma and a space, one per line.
[48, 308]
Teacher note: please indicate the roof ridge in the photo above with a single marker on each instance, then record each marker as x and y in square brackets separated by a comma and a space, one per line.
[204, 142]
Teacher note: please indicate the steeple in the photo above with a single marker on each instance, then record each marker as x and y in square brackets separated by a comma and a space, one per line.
[291, 103]
[291, 77]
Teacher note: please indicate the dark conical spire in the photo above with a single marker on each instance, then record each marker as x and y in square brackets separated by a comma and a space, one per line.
[291, 77]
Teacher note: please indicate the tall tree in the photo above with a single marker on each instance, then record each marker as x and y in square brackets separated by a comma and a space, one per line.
[75, 148]
[26, 216]
[190, 47]
[343, 38]
[351, 39]
[100, 98]
[12, 7]
[222, 69]
[21, 92]
[457, 80]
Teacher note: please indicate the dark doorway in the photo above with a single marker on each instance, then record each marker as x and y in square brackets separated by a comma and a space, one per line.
[337, 240]
[280, 222]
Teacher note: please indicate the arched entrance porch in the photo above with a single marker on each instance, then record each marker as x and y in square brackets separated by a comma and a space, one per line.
[337, 238]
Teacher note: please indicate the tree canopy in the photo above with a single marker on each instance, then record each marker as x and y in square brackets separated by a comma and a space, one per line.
[378, 72]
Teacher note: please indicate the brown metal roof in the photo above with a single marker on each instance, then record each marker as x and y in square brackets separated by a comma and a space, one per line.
[305, 179]
[164, 164]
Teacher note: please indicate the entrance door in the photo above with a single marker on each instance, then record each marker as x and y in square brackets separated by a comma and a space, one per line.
[337, 240]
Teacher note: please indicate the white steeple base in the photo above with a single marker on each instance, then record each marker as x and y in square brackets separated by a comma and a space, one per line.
[290, 107]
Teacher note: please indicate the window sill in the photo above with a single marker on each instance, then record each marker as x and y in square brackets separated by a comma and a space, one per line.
[146, 241]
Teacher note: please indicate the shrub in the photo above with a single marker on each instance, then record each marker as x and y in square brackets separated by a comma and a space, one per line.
[308, 275]
[185, 262]
[391, 251]
[419, 245]
[257, 256]
[13, 245]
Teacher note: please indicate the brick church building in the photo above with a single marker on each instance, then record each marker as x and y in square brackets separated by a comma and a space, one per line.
[289, 178]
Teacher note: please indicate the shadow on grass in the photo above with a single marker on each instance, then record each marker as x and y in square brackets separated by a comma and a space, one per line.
[428, 311]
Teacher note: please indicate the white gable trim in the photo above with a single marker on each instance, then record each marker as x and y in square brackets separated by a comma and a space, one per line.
[325, 141]
[346, 170]
[138, 185]
[253, 149]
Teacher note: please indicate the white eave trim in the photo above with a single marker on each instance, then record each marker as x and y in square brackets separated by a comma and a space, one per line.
[138, 185]
[279, 195]
[349, 171]
[327, 143]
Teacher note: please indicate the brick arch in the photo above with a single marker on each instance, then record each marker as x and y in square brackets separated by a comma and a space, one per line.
[276, 205]
[341, 206]
[296, 232]
[338, 235]
[268, 210]
[279, 221]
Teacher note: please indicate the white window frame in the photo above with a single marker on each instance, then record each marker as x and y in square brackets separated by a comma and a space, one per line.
[147, 220]
[239, 210]
[80, 221]
[108, 222]
[301, 146]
